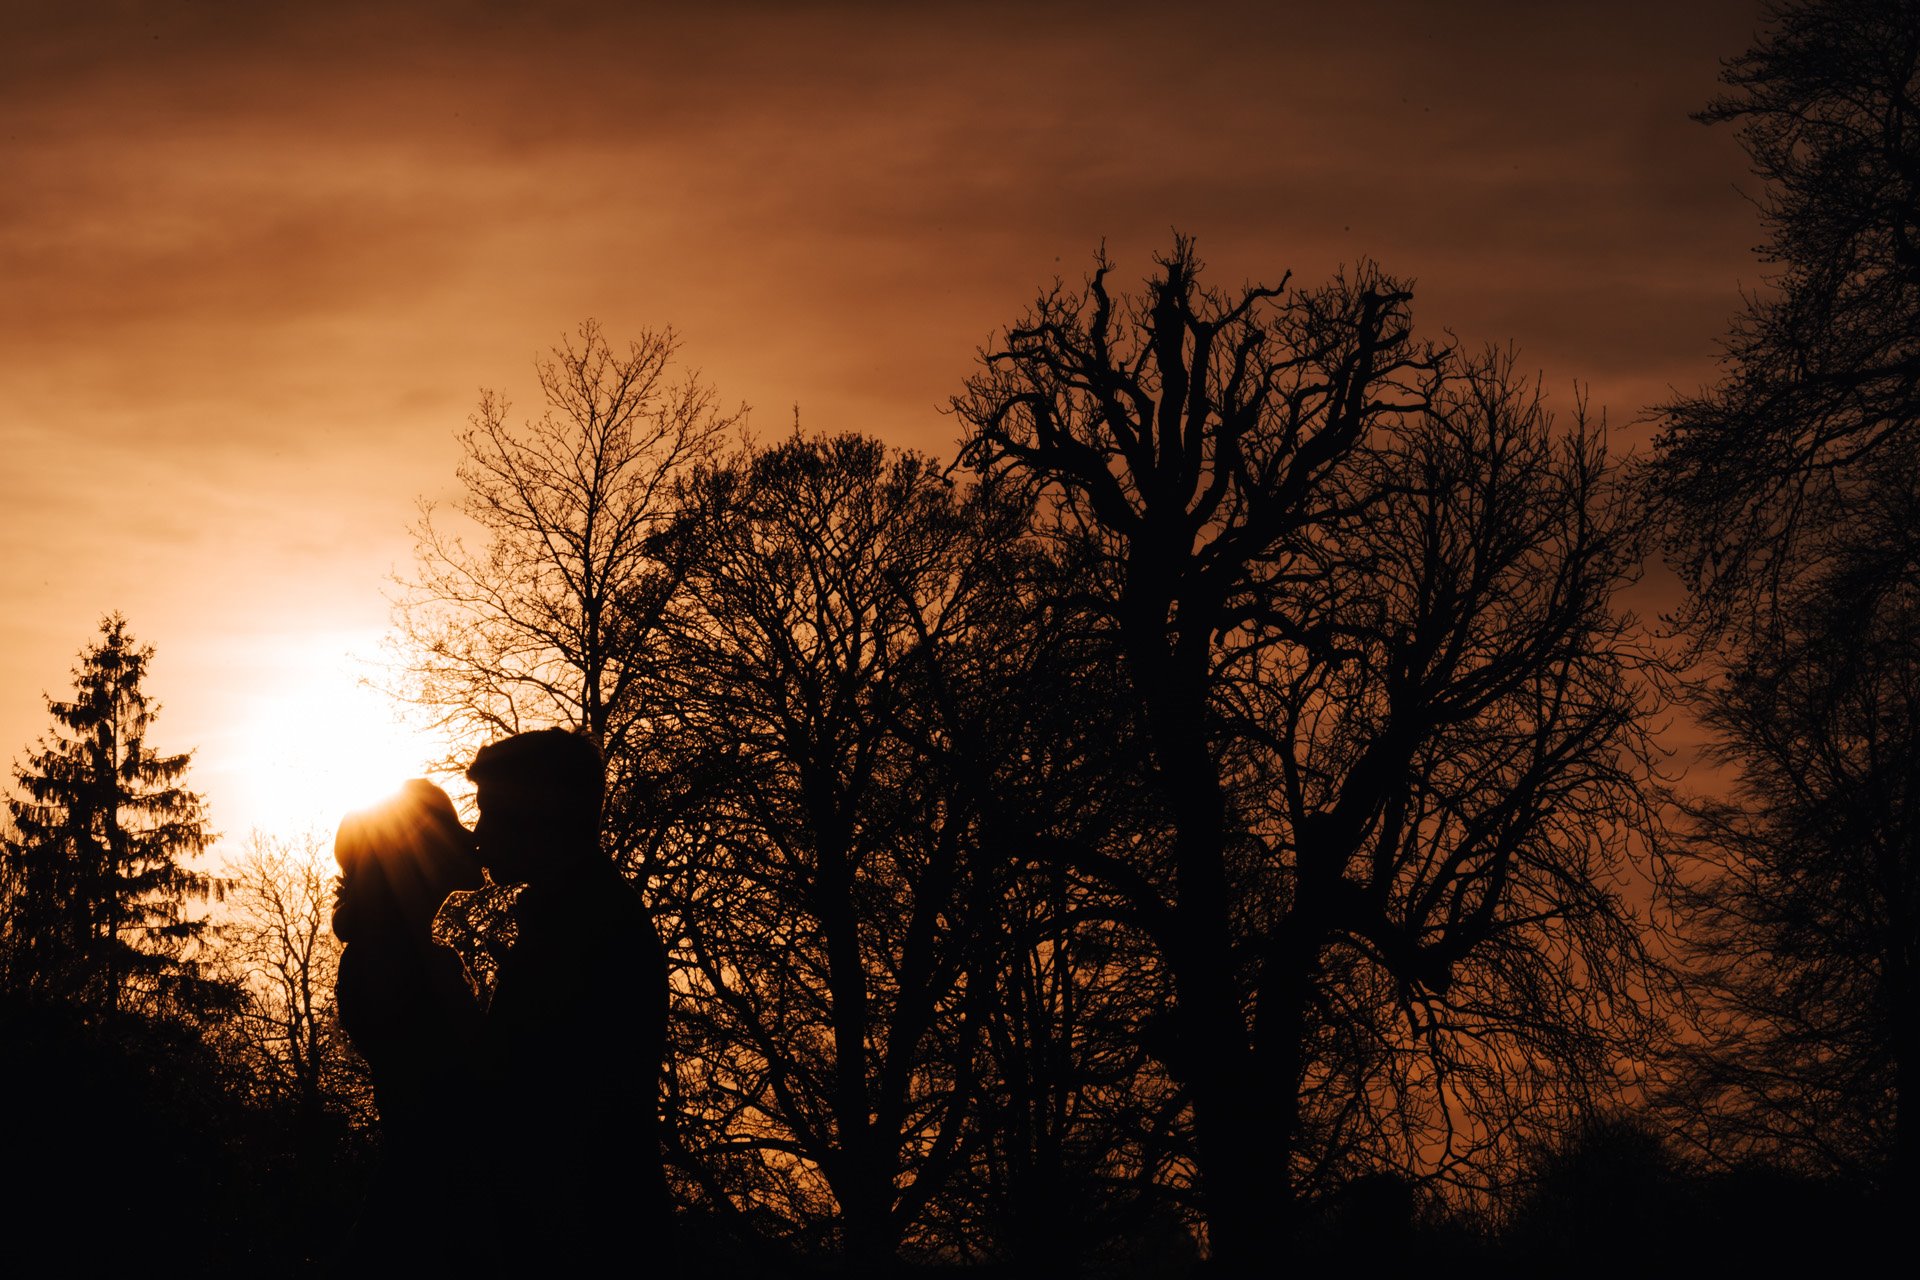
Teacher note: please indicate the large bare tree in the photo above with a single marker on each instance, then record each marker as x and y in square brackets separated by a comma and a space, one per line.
[1360, 593]
[824, 875]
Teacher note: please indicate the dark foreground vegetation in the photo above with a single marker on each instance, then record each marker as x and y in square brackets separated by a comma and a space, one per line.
[1215, 818]
[140, 1143]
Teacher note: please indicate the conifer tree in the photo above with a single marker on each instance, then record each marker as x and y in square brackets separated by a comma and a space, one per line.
[96, 869]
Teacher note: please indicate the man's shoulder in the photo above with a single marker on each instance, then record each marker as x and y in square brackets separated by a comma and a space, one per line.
[592, 914]
[612, 898]
[624, 918]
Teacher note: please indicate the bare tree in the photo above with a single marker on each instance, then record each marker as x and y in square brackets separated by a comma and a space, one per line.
[1446, 733]
[1801, 889]
[1814, 418]
[280, 951]
[1360, 599]
[1084, 1159]
[546, 621]
[1788, 493]
[824, 874]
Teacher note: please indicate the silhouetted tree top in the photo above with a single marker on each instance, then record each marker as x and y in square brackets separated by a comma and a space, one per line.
[545, 619]
[1186, 415]
[277, 943]
[1814, 415]
[98, 861]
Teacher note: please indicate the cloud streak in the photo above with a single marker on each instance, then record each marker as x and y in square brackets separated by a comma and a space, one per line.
[259, 258]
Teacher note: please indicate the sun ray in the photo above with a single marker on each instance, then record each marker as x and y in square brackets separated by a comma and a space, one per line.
[324, 742]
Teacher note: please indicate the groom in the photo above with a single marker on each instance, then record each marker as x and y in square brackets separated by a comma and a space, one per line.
[576, 1032]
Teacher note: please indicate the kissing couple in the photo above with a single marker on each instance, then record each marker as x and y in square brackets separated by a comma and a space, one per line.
[525, 1131]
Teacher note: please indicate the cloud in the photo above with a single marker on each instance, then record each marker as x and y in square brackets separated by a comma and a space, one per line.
[260, 257]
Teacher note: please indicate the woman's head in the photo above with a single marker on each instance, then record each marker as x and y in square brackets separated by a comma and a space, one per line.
[399, 861]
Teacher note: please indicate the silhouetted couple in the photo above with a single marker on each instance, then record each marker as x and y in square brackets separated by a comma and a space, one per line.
[527, 1134]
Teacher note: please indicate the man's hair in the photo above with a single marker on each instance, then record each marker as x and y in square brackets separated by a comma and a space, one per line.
[556, 764]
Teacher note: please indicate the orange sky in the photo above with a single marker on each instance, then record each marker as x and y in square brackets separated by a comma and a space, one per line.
[256, 260]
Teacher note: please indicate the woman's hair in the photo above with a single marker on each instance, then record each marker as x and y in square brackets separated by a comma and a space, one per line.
[399, 860]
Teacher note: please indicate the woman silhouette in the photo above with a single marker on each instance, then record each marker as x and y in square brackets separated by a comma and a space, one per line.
[405, 1001]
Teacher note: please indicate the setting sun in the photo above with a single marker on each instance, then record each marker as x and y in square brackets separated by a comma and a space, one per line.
[322, 744]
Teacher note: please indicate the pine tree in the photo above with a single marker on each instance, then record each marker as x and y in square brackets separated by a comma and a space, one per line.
[94, 867]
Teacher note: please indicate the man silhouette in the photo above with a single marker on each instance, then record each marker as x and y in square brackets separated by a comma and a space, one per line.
[575, 1034]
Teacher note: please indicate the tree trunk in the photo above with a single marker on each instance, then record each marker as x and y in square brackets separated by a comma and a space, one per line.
[1243, 1154]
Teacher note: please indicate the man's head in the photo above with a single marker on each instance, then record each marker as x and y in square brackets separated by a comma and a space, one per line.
[539, 798]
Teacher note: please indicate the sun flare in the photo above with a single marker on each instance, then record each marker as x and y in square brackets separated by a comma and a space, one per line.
[324, 744]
